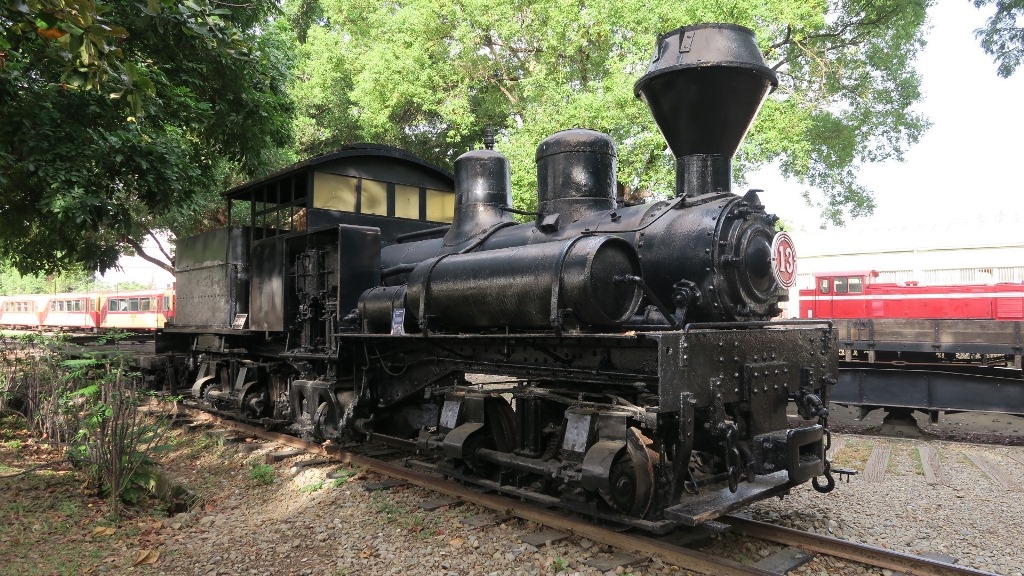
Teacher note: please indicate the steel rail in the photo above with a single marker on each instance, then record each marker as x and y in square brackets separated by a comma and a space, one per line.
[644, 545]
[870, 555]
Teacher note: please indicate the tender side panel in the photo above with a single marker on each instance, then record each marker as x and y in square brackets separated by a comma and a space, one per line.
[212, 278]
[270, 285]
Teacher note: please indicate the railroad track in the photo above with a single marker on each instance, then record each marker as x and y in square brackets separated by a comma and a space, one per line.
[644, 545]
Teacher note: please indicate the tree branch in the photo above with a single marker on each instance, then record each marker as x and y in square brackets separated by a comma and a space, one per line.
[159, 244]
[151, 259]
[837, 33]
[491, 46]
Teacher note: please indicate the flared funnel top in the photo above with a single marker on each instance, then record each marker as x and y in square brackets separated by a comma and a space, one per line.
[705, 86]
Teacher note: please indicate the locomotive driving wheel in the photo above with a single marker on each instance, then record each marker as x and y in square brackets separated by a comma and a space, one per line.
[631, 484]
[623, 483]
[202, 387]
[254, 400]
[325, 423]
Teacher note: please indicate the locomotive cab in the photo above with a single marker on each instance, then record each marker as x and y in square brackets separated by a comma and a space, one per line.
[821, 300]
[298, 248]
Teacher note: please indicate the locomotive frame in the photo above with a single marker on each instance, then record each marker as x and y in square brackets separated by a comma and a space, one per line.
[635, 375]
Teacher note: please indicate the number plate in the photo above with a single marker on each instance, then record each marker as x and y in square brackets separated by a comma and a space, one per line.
[784, 260]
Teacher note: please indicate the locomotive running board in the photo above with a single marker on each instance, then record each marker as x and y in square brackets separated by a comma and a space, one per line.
[710, 505]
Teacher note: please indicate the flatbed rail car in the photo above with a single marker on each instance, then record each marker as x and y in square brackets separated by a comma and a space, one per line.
[930, 348]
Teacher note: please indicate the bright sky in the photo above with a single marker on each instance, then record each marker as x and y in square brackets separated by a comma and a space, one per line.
[963, 178]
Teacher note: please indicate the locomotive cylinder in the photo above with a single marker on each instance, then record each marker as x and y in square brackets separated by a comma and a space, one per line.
[377, 307]
[529, 286]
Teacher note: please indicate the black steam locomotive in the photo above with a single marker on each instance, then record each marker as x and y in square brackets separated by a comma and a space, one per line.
[630, 367]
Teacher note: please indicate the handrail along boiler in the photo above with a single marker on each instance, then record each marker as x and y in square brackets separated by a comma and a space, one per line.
[635, 372]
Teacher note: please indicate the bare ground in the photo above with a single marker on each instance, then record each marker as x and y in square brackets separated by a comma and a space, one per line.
[290, 522]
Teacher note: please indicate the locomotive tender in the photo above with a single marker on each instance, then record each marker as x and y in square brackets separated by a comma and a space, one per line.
[634, 374]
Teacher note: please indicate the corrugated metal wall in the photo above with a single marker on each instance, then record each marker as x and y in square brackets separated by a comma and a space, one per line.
[973, 275]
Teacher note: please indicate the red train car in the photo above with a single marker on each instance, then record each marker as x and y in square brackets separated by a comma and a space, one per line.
[935, 349]
[136, 310]
[70, 312]
[139, 310]
[857, 295]
[23, 311]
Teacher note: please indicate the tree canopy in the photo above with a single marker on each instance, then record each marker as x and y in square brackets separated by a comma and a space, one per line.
[1003, 37]
[431, 76]
[117, 117]
[11, 282]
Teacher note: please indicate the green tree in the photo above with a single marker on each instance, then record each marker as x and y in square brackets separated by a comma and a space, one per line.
[69, 280]
[119, 117]
[1003, 35]
[431, 76]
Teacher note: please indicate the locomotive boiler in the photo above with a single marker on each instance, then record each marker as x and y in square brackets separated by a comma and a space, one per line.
[616, 360]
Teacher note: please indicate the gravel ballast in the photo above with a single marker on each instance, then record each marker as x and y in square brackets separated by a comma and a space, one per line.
[305, 523]
[968, 518]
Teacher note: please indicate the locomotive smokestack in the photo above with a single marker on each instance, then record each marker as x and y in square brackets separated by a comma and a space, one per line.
[704, 88]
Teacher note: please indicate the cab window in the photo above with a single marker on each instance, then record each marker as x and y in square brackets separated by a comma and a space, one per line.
[373, 197]
[841, 286]
[823, 286]
[856, 285]
[407, 202]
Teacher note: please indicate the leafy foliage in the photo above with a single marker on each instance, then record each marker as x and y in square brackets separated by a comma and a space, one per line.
[117, 117]
[75, 33]
[261, 473]
[431, 76]
[1003, 36]
[70, 280]
[116, 441]
[86, 405]
[845, 98]
[33, 384]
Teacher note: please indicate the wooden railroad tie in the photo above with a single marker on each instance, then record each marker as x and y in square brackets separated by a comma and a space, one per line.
[994, 471]
[930, 464]
[874, 470]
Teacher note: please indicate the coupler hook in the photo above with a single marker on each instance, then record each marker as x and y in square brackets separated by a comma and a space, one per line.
[830, 482]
